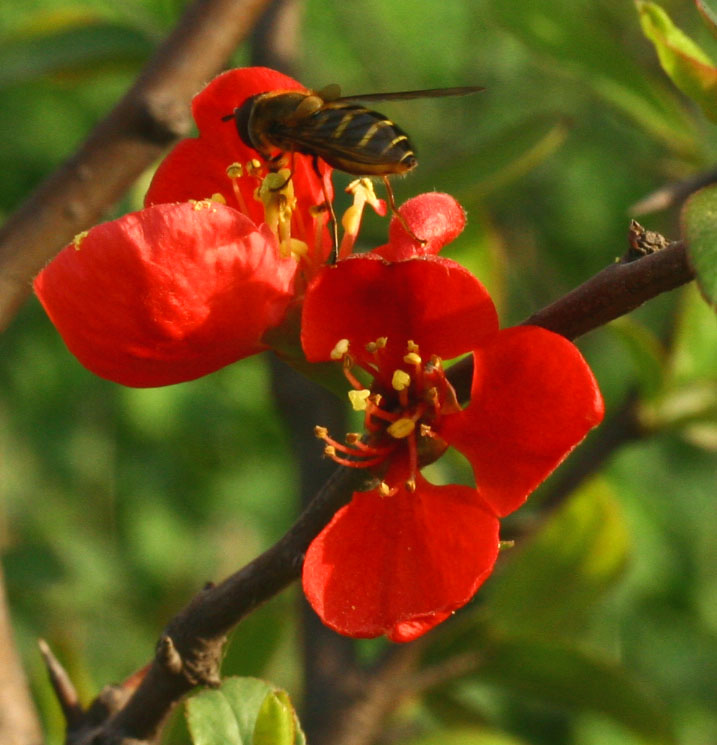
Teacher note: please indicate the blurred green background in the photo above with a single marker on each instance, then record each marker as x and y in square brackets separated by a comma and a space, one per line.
[116, 505]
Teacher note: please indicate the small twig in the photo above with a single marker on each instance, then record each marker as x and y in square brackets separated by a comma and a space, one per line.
[19, 723]
[62, 686]
[611, 293]
[673, 194]
[196, 635]
[381, 693]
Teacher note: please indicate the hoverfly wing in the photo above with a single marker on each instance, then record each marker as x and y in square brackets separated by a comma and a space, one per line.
[348, 137]
[406, 95]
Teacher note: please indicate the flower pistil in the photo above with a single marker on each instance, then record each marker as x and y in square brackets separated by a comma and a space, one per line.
[400, 410]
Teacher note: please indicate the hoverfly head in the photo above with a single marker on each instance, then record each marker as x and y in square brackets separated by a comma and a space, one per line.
[242, 119]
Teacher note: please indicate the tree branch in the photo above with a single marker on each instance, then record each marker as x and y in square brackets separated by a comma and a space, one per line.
[189, 650]
[134, 134]
[611, 293]
[19, 724]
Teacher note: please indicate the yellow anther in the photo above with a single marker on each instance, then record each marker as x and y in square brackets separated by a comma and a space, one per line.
[330, 450]
[276, 181]
[352, 438]
[276, 193]
[359, 399]
[411, 485]
[400, 380]
[217, 197]
[502, 545]
[425, 430]
[411, 346]
[376, 399]
[77, 240]
[412, 359]
[253, 167]
[235, 170]
[340, 350]
[321, 432]
[384, 489]
[202, 204]
[293, 247]
[373, 346]
[401, 428]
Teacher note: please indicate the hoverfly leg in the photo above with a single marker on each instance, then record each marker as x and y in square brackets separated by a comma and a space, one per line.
[334, 255]
[397, 214]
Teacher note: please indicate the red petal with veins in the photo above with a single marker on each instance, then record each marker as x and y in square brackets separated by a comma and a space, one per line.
[432, 301]
[399, 565]
[196, 167]
[436, 218]
[167, 294]
[533, 399]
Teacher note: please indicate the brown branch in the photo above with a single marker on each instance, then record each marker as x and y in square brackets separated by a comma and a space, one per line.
[189, 650]
[611, 293]
[19, 724]
[132, 136]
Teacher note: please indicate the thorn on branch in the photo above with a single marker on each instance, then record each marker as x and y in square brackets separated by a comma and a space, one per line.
[62, 686]
[167, 655]
[199, 666]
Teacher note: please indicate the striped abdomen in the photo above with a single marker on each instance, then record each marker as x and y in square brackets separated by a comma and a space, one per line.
[348, 137]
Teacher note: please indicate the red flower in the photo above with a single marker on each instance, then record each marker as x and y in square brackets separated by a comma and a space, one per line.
[167, 294]
[177, 291]
[402, 557]
[196, 168]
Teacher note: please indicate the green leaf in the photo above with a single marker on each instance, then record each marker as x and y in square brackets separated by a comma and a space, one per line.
[549, 586]
[567, 677]
[583, 46]
[276, 723]
[514, 152]
[694, 345]
[243, 711]
[687, 65]
[467, 736]
[81, 50]
[647, 353]
[699, 226]
[708, 11]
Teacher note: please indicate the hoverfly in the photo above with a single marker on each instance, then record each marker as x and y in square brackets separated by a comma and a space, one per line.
[324, 124]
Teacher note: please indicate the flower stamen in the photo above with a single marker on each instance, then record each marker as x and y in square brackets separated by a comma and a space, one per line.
[363, 194]
[234, 172]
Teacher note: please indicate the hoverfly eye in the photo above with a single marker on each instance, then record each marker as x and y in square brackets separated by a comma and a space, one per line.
[242, 119]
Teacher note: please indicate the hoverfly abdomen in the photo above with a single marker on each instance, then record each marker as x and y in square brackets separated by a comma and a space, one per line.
[359, 141]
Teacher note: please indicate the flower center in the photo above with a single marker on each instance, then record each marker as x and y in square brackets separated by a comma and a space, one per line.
[401, 409]
[305, 242]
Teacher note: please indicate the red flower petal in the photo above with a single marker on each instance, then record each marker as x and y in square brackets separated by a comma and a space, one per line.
[167, 294]
[436, 218]
[434, 302]
[196, 168]
[533, 400]
[398, 565]
[229, 90]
